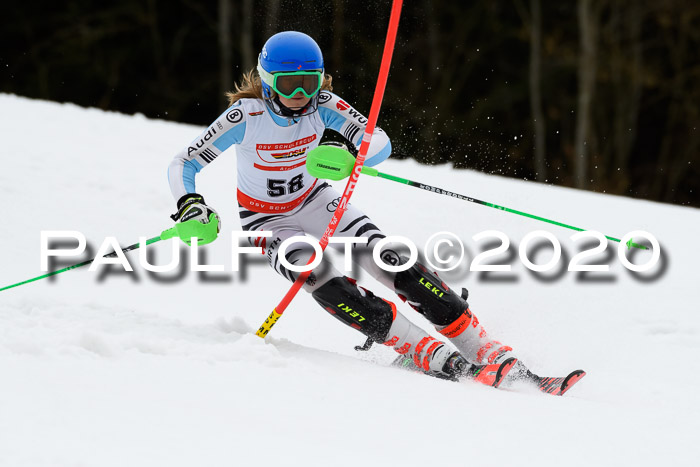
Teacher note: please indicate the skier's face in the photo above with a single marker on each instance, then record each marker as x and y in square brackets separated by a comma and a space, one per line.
[296, 102]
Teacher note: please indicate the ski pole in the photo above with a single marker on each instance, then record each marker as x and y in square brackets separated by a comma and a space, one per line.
[372, 172]
[182, 230]
[334, 163]
[84, 263]
[355, 168]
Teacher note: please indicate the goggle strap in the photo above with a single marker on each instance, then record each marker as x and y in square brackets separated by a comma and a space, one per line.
[267, 78]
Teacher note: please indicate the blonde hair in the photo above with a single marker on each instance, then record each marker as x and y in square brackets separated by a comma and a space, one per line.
[250, 87]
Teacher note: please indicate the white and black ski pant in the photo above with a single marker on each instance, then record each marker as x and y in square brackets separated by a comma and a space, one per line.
[358, 307]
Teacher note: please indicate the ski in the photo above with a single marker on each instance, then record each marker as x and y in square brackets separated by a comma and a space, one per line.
[490, 375]
[555, 386]
[494, 374]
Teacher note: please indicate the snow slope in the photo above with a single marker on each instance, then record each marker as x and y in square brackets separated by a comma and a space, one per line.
[140, 369]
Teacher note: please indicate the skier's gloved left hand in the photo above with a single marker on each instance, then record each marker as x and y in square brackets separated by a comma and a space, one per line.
[195, 219]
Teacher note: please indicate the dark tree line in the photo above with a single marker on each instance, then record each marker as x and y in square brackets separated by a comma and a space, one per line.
[595, 94]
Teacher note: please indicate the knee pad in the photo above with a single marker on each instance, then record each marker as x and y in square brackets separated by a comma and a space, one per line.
[356, 307]
[429, 295]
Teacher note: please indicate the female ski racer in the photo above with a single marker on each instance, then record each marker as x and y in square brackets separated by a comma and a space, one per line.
[276, 117]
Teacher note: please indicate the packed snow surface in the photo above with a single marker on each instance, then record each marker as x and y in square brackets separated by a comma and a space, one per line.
[114, 368]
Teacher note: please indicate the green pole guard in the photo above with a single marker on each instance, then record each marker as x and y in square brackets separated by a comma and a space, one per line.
[205, 233]
[329, 162]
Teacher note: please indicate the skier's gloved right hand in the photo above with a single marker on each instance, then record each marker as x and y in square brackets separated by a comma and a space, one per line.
[347, 146]
[195, 219]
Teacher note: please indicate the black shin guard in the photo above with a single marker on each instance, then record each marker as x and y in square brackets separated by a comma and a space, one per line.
[365, 312]
[429, 295]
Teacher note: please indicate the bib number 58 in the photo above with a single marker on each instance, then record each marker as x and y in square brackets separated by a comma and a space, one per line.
[276, 187]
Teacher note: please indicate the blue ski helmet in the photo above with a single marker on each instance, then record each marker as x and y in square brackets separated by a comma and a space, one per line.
[288, 51]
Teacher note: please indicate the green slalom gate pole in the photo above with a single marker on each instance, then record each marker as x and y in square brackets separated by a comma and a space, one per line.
[184, 230]
[334, 163]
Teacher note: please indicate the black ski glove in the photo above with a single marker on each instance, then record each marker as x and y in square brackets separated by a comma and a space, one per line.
[193, 207]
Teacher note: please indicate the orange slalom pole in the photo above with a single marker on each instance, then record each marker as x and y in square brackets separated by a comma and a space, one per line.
[357, 168]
